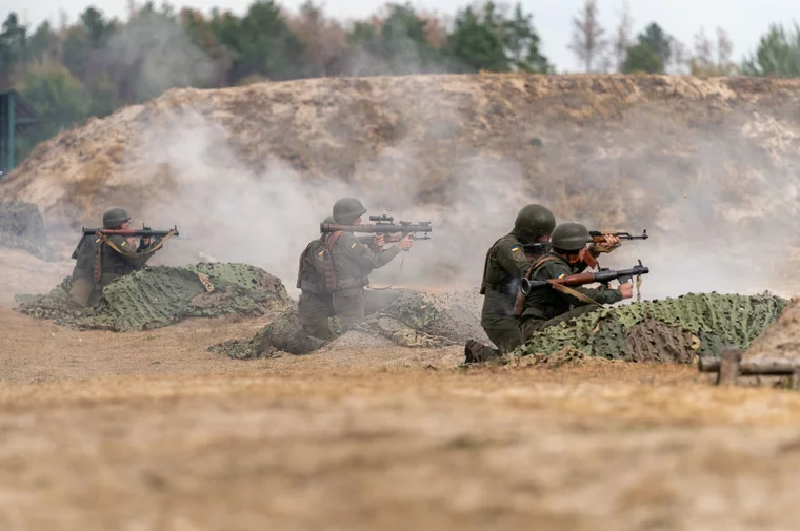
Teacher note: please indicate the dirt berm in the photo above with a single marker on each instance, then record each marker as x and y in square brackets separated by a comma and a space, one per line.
[665, 152]
[668, 331]
[780, 342]
[161, 296]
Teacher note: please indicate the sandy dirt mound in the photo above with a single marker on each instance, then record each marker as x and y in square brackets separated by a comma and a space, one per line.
[781, 341]
[337, 127]
[161, 296]
[669, 154]
[669, 331]
[413, 319]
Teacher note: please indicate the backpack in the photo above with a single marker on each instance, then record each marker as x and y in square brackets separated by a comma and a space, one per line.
[316, 266]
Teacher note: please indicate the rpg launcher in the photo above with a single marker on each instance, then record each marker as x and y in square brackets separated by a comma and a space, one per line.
[602, 276]
[383, 225]
[144, 232]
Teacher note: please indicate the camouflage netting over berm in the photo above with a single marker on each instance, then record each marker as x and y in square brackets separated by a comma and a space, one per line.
[161, 296]
[21, 227]
[410, 319]
[668, 331]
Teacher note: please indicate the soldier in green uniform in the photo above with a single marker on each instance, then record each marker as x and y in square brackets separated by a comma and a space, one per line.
[315, 304]
[505, 264]
[354, 261]
[550, 306]
[118, 256]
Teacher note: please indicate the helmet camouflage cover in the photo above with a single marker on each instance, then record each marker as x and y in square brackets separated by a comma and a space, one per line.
[346, 210]
[114, 217]
[570, 236]
[534, 221]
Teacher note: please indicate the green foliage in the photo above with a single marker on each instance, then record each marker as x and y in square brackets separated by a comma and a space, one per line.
[522, 42]
[12, 46]
[103, 97]
[57, 96]
[642, 59]
[265, 44]
[658, 41]
[478, 44]
[777, 55]
[398, 47]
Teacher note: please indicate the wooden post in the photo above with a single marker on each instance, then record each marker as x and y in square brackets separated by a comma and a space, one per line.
[729, 366]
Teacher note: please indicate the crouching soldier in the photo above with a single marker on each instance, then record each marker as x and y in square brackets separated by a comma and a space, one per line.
[551, 305]
[102, 260]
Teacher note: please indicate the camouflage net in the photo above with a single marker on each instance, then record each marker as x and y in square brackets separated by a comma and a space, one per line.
[160, 296]
[21, 227]
[411, 319]
[668, 331]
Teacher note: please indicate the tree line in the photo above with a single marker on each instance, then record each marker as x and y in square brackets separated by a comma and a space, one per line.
[97, 64]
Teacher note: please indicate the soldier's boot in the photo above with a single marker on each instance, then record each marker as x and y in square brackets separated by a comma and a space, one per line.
[475, 352]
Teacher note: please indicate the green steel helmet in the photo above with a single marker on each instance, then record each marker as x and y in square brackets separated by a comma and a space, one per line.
[570, 236]
[534, 221]
[114, 217]
[346, 210]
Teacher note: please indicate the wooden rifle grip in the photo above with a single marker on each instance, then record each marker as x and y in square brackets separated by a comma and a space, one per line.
[519, 304]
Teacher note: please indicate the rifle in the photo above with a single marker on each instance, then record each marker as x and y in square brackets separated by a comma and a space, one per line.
[602, 276]
[597, 236]
[383, 225]
[144, 232]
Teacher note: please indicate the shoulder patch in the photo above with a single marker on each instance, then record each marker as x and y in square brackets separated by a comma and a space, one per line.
[354, 245]
[123, 244]
[562, 275]
[517, 254]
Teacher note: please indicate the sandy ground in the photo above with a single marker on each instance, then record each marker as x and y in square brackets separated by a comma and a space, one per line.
[149, 431]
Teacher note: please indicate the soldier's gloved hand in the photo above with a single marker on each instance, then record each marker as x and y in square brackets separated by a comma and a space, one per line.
[406, 243]
[627, 290]
[146, 242]
[379, 242]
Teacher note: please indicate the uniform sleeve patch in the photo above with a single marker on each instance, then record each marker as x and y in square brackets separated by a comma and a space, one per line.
[515, 248]
[562, 275]
[354, 245]
[123, 244]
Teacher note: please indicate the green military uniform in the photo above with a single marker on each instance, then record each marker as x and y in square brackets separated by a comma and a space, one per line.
[354, 261]
[549, 306]
[505, 264]
[315, 304]
[117, 258]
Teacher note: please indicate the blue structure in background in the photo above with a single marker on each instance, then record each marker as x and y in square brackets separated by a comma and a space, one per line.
[15, 115]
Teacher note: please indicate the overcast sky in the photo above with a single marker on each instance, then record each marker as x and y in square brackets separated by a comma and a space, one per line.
[744, 20]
